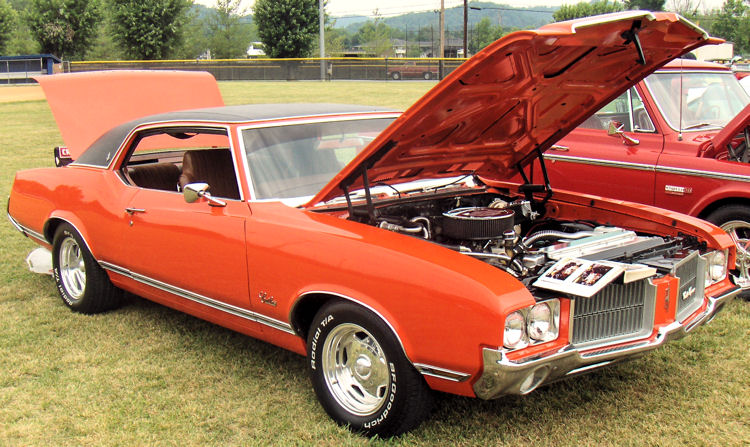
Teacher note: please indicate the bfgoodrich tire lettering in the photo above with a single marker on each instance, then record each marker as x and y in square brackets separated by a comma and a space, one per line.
[83, 285]
[361, 375]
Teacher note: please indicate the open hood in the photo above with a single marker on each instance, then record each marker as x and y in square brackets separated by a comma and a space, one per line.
[518, 96]
[86, 105]
[738, 125]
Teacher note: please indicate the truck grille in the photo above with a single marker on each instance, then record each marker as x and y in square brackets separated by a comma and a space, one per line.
[691, 272]
[617, 312]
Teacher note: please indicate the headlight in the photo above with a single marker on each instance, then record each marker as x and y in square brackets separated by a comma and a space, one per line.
[716, 267]
[540, 322]
[514, 336]
[531, 325]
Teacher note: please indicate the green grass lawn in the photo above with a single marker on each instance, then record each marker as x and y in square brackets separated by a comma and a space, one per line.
[147, 375]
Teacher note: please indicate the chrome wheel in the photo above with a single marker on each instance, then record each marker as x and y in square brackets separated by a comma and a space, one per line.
[72, 268]
[355, 369]
[739, 231]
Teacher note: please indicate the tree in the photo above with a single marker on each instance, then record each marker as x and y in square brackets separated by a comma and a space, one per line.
[287, 28]
[583, 9]
[484, 34]
[7, 24]
[149, 29]
[733, 24]
[228, 35]
[375, 35]
[648, 5]
[65, 28]
[686, 8]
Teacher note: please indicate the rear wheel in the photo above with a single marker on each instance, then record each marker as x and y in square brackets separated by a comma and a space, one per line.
[396, 76]
[361, 375]
[427, 75]
[735, 220]
[82, 283]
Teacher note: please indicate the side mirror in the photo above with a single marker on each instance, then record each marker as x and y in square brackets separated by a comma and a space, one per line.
[194, 191]
[616, 128]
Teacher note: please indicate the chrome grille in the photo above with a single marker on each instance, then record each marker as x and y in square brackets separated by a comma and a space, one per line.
[617, 312]
[691, 272]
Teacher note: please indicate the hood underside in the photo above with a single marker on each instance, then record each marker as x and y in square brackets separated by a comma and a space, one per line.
[733, 128]
[86, 105]
[518, 96]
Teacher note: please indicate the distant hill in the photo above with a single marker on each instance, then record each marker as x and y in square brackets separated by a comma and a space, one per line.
[507, 16]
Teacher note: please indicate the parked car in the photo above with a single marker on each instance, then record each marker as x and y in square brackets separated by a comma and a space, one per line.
[412, 70]
[667, 149]
[388, 248]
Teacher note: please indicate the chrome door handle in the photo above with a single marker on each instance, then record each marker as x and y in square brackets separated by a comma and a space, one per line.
[557, 147]
[132, 211]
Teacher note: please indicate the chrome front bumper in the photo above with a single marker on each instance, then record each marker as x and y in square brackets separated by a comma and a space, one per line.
[503, 376]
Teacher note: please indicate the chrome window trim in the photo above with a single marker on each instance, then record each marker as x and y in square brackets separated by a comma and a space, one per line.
[353, 116]
[201, 299]
[646, 167]
[424, 369]
[226, 128]
[645, 109]
[661, 109]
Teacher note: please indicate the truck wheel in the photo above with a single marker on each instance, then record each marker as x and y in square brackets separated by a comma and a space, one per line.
[735, 220]
[427, 75]
[361, 375]
[83, 285]
[395, 76]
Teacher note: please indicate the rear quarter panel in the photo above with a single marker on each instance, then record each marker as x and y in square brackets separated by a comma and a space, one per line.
[88, 198]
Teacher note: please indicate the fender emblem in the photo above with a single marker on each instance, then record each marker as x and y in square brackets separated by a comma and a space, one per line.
[688, 293]
[677, 190]
[265, 299]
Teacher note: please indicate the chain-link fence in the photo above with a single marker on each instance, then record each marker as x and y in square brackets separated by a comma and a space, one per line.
[292, 69]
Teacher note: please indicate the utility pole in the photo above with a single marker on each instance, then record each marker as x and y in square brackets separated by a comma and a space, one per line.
[466, 20]
[322, 12]
[441, 66]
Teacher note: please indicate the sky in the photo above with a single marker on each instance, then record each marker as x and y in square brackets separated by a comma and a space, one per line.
[388, 8]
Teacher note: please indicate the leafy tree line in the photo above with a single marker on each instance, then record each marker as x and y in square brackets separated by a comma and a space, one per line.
[124, 29]
[731, 22]
[160, 29]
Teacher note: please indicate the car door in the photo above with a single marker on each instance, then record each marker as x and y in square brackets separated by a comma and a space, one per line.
[195, 251]
[591, 161]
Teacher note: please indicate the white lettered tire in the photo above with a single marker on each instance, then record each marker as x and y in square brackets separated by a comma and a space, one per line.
[361, 375]
[83, 285]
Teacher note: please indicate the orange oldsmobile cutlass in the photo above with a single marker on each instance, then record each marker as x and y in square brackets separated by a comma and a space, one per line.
[388, 248]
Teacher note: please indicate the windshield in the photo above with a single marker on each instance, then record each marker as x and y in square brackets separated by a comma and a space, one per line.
[709, 99]
[297, 160]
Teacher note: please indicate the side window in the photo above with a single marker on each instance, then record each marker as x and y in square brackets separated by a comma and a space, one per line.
[641, 121]
[168, 159]
[626, 109]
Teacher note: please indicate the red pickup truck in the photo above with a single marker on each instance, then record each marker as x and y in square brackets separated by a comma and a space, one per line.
[410, 69]
[677, 140]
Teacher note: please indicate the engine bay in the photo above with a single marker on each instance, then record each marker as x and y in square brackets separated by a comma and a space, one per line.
[513, 235]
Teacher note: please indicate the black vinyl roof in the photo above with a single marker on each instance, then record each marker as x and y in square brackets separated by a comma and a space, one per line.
[100, 153]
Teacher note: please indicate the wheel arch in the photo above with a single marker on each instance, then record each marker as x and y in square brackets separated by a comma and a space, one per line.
[309, 303]
[54, 222]
[713, 206]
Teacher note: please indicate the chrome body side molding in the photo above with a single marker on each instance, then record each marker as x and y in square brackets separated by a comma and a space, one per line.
[648, 167]
[200, 299]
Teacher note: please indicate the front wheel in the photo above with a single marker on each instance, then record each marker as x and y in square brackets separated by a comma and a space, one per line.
[395, 76]
[427, 75]
[361, 375]
[735, 220]
[83, 285]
